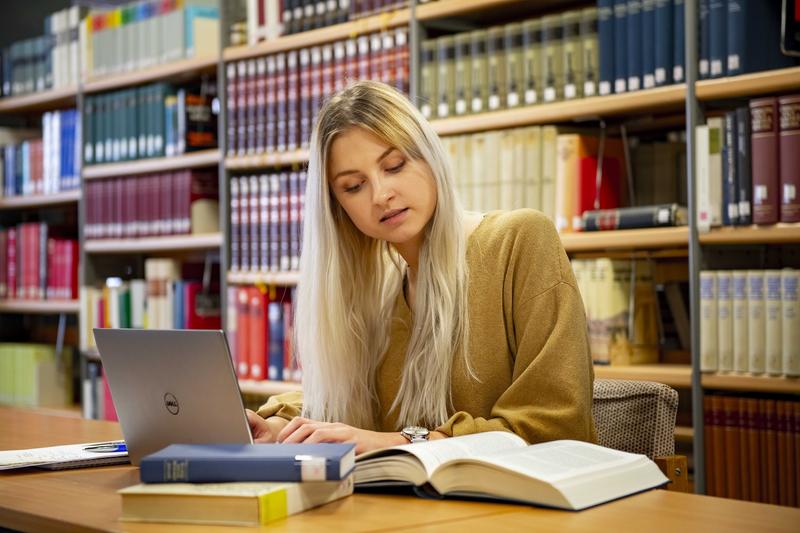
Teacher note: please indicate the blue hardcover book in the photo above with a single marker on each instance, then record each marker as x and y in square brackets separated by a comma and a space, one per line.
[218, 463]
[605, 38]
[717, 37]
[275, 348]
[635, 45]
[679, 52]
[730, 193]
[620, 46]
[648, 18]
[662, 44]
[704, 48]
[754, 21]
[744, 164]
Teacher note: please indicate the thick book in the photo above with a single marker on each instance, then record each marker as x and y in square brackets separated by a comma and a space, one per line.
[216, 463]
[744, 174]
[765, 160]
[741, 347]
[605, 37]
[709, 343]
[725, 320]
[563, 474]
[790, 279]
[648, 216]
[756, 324]
[789, 156]
[773, 322]
[227, 504]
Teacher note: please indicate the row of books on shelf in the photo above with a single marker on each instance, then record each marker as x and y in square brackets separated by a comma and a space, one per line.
[747, 163]
[35, 375]
[260, 333]
[154, 120]
[145, 33]
[269, 19]
[171, 203]
[42, 161]
[37, 265]
[752, 448]
[267, 222]
[171, 296]
[96, 401]
[750, 321]
[49, 61]
[273, 100]
[555, 170]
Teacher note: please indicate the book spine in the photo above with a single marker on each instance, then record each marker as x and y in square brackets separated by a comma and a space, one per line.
[731, 431]
[259, 333]
[650, 216]
[735, 33]
[709, 356]
[704, 45]
[263, 226]
[649, 40]
[718, 444]
[445, 82]
[591, 51]
[552, 61]
[756, 325]
[678, 52]
[234, 240]
[718, 39]
[704, 206]
[255, 223]
[496, 68]
[635, 45]
[480, 71]
[764, 153]
[789, 150]
[725, 320]
[663, 35]
[605, 36]
[571, 58]
[514, 59]
[730, 207]
[275, 346]
[772, 317]
[741, 362]
[243, 334]
[790, 332]
[620, 46]
[744, 163]
[716, 135]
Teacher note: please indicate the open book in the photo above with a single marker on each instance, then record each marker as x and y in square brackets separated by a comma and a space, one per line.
[565, 474]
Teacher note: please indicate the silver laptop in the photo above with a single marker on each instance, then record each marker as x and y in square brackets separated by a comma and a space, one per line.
[172, 386]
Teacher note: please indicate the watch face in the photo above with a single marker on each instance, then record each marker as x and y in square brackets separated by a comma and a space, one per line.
[416, 432]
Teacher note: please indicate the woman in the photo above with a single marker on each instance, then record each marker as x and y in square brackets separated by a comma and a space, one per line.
[416, 320]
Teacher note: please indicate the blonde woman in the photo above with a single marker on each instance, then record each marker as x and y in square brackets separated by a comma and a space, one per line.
[416, 320]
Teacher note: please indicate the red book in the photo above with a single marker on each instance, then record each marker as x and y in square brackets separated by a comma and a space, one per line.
[292, 100]
[280, 102]
[609, 195]
[288, 340]
[326, 73]
[375, 56]
[402, 73]
[250, 110]
[71, 260]
[340, 61]
[388, 71]
[194, 320]
[52, 270]
[11, 262]
[352, 60]
[3, 263]
[304, 99]
[789, 154]
[765, 160]
[241, 108]
[258, 339]
[270, 109]
[243, 333]
[261, 105]
[363, 58]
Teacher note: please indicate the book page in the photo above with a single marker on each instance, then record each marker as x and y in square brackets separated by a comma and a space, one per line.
[557, 460]
[66, 454]
[433, 453]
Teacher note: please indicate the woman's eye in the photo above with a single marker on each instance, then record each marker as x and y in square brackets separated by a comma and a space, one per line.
[353, 188]
[396, 168]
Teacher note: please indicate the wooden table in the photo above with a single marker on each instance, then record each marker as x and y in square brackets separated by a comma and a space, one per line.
[86, 499]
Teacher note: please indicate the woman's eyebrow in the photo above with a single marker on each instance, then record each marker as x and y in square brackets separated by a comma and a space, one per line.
[344, 172]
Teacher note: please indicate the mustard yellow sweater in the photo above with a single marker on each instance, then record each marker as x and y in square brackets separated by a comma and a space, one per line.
[528, 344]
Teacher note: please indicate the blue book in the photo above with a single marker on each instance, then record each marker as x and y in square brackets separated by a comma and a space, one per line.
[648, 18]
[744, 164]
[620, 46]
[635, 45]
[217, 463]
[605, 40]
[717, 37]
[664, 33]
[754, 21]
[275, 353]
[704, 48]
[679, 52]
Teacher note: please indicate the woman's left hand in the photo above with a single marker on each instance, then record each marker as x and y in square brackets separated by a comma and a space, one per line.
[308, 431]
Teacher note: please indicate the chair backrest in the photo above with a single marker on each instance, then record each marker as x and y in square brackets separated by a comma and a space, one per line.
[635, 416]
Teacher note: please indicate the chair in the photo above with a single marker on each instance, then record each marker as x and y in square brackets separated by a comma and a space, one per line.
[639, 417]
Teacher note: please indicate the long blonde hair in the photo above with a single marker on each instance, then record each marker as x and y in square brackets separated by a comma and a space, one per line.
[349, 282]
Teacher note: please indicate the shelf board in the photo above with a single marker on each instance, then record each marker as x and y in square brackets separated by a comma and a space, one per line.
[578, 109]
[267, 388]
[275, 159]
[679, 376]
[40, 307]
[203, 158]
[752, 383]
[454, 8]
[628, 239]
[757, 83]
[267, 278]
[40, 101]
[184, 68]
[40, 200]
[168, 243]
[319, 36]
[775, 234]
[684, 433]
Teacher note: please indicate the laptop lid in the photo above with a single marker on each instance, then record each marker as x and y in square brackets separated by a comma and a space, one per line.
[172, 386]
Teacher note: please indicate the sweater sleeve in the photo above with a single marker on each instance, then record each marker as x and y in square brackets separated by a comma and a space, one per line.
[287, 405]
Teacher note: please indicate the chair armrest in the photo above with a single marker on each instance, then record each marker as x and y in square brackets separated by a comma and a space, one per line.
[676, 468]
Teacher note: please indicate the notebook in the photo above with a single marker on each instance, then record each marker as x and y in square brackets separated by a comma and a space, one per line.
[66, 456]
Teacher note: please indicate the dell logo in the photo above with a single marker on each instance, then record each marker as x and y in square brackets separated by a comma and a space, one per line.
[171, 402]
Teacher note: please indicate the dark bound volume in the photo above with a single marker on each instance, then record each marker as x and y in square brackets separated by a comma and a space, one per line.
[648, 216]
[764, 144]
[744, 165]
[789, 150]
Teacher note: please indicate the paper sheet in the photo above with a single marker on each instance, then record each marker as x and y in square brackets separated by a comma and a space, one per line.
[66, 456]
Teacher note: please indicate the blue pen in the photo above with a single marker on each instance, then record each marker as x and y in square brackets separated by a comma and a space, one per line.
[107, 447]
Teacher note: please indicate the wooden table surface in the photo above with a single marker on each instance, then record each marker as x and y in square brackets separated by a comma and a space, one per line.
[86, 499]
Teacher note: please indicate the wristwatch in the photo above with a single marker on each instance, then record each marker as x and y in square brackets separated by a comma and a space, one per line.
[415, 433]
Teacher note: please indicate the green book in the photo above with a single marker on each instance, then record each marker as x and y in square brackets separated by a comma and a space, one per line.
[131, 122]
[463, 73]
[141, 123]
[479, 66]
[590, 50]
[514, 61]
[572, 55]
[532, 60]
[445, 78]
[495, 52]
[427, 86]
[553, 60]
[88, 130]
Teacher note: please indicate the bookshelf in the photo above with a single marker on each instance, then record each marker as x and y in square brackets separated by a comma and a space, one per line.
[752, 383]
[40, 307]
[41, 101]
[777, 234]
[203, 158]
[755, 84]
[40, 200]
[265, 278]
[677, 376]
[454, 8]
[631, 239]
[165, 244]
[175, 70]
[268, 388]
[277, 159]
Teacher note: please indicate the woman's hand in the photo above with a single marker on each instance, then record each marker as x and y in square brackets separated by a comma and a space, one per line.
[310, 431]
[264, 430]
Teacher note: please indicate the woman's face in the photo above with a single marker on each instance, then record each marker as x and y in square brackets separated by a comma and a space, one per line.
[387, 195]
